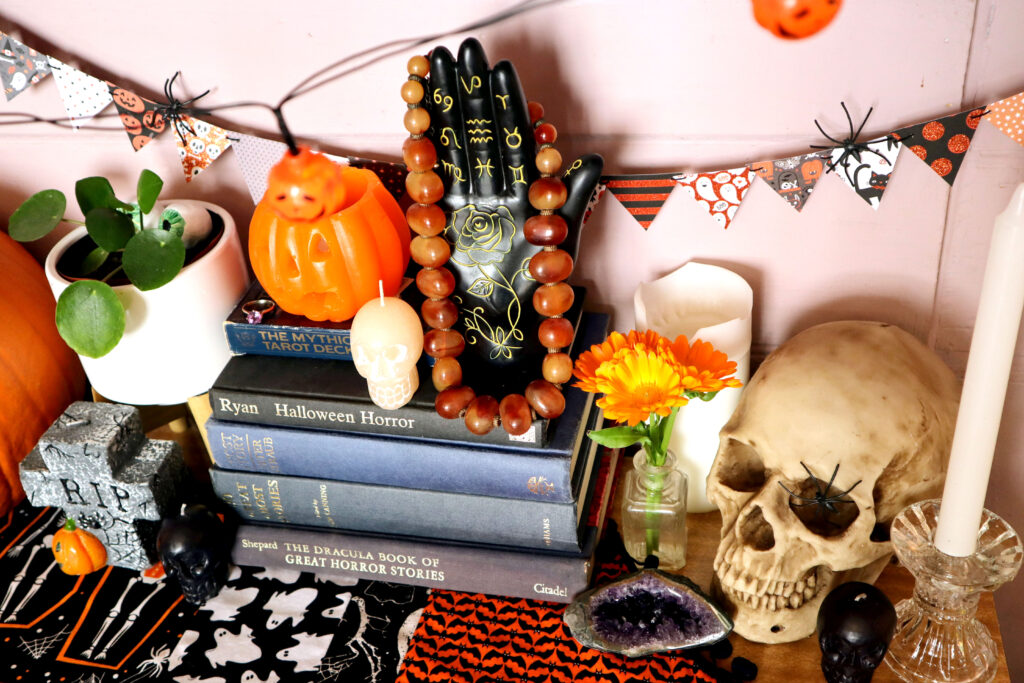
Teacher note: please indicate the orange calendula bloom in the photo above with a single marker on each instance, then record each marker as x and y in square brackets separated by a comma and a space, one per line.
[589, 361]
[638, 384]
[705, 369]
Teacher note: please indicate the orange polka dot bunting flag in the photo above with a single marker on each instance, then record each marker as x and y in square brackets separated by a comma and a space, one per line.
[83, 96]
[718, 192]
[142, 119]
[641, 195]
[199, 144]
[942, 143]
[793, 178]
[1008, 116]
[867, 171]
[20, 66]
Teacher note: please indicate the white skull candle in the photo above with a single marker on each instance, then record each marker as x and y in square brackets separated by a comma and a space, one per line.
[387, 340]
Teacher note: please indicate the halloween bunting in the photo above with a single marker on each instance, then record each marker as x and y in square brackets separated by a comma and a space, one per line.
[83, 96]
[142, 119]
[943, 142]
[718, 192]
[793, 178]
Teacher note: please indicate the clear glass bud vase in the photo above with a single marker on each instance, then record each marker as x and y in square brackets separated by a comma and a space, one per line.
[654, 512]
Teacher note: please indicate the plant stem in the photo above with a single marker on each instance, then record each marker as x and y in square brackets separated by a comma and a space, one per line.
[73, 221]
[112, 273]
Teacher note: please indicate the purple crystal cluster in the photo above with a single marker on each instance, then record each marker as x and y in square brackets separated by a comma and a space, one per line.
[649, 610]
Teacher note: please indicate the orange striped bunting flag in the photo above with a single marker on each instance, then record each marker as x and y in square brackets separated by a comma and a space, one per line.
[641, 195]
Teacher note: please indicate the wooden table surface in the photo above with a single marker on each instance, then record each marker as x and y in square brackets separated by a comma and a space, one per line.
[800, 661]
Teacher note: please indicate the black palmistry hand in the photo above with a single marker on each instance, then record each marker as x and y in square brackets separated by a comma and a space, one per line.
[481, 128]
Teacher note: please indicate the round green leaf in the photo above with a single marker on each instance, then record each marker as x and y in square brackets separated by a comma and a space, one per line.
[93, 260]
[96, 191]
[108, 228]
[148, 189]
[152, 258]
[37, 216]
[90, 318]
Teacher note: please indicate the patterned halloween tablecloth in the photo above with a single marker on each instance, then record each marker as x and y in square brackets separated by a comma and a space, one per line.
[267, 626]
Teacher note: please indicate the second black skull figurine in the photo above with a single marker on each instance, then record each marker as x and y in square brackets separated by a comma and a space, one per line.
[856, 622]
[195, 549]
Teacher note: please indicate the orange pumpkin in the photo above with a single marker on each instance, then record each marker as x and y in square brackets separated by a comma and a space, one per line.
[39, 375]
[795, 18]
[77, 551]
[324, 235]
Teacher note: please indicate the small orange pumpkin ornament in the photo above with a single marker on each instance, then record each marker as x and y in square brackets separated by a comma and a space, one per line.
[324, 235]
[795, 18]
[77, 551]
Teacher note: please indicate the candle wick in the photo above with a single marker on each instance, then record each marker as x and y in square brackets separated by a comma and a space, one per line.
[380, 288]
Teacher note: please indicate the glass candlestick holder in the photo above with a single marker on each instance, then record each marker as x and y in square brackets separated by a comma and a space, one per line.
[937, 636]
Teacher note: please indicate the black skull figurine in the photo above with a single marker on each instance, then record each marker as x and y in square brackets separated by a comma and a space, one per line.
[855, 624]
[195, 549]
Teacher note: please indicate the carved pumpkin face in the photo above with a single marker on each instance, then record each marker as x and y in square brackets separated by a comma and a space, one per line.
[323, 235]
[795, 18]
[305, 186]
[128, 100]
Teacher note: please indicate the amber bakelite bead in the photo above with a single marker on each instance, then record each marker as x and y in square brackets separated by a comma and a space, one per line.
[418, 65]
[545, 399]
[412, 91]
[546, 194]
[536, 111]
[426, 220]
[419, 154]
[544, 134]
[480, 414]
[430, 252]
[515, 414]
[557, 368]
[435, 283]
[549, 161]
[554, 333]
[440, 314]
[450, 403]
[444, 343]
[425, 188]
[417, 120]
[545, 230]
[550, 266]
[446, 373]
[556, 299]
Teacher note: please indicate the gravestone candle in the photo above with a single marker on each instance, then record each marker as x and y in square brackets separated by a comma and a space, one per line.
[988, 372]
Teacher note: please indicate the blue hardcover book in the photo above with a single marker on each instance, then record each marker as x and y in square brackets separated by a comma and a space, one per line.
[458, 467]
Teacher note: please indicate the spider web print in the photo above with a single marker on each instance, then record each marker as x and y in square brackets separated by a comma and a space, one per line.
[331, 667]
[40, 646]
[91, 678]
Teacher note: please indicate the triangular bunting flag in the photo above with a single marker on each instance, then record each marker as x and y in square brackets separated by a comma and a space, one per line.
[641, 195]
[199, 144]
[719, 192]
[257, 155]
[143, 120]
[1008, 116]
[392, 175]
[868, 171]
[83, 95]
[792, 178]
[20, 66]
[943, 142]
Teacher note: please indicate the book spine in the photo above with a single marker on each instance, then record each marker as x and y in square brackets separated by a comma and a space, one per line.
[278, 340]
[357, 417]
[399, 511]
[378, 460]
[556, 578]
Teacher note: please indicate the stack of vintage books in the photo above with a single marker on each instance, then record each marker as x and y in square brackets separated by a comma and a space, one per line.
[326, 481]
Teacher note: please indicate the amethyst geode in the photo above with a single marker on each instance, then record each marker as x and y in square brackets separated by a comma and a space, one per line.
[646, 611]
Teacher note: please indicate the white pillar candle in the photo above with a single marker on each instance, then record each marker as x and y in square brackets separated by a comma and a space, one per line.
[988, 372]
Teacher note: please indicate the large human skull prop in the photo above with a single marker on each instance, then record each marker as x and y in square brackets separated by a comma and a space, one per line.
[865, 396]
[387, 340]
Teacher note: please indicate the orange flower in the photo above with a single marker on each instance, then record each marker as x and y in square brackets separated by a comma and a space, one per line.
[639, 383]
[590, 361]
[705, 368]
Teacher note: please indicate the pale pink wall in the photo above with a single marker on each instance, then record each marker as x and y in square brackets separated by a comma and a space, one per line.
[659, 85]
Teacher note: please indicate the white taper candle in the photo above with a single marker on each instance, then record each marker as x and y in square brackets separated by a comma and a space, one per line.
[988, 372]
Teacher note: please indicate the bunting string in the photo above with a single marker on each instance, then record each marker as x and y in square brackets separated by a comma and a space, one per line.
[864, 166]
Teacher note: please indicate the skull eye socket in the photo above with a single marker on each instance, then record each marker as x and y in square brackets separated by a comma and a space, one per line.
[742, 469]
[827, 515]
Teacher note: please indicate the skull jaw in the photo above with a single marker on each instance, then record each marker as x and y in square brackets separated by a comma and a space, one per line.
[391, 394]
[786, 624]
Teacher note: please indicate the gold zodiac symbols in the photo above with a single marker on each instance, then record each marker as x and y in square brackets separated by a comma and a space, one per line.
[482, 166]
[447, 140]
[575, 166]
[504, 101]
[445, 101]
[474, 83]
[453, 171]
[511, 135]
[478, 133]
[518, 175]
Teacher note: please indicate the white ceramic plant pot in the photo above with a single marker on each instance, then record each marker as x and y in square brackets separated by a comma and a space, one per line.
[173, 345]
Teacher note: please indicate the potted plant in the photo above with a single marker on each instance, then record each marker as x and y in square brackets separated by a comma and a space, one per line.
[142, 288]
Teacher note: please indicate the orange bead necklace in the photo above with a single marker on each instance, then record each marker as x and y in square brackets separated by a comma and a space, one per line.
[550, 267]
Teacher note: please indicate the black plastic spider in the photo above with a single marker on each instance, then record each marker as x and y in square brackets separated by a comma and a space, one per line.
[821, 497]
[851, 148]
[174, 109]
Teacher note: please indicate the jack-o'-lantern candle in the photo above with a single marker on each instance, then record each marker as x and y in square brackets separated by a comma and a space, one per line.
[324, 235]
[387, 340]
[795, 18]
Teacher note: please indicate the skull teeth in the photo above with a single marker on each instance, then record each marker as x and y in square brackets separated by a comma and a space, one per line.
[765, 594]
